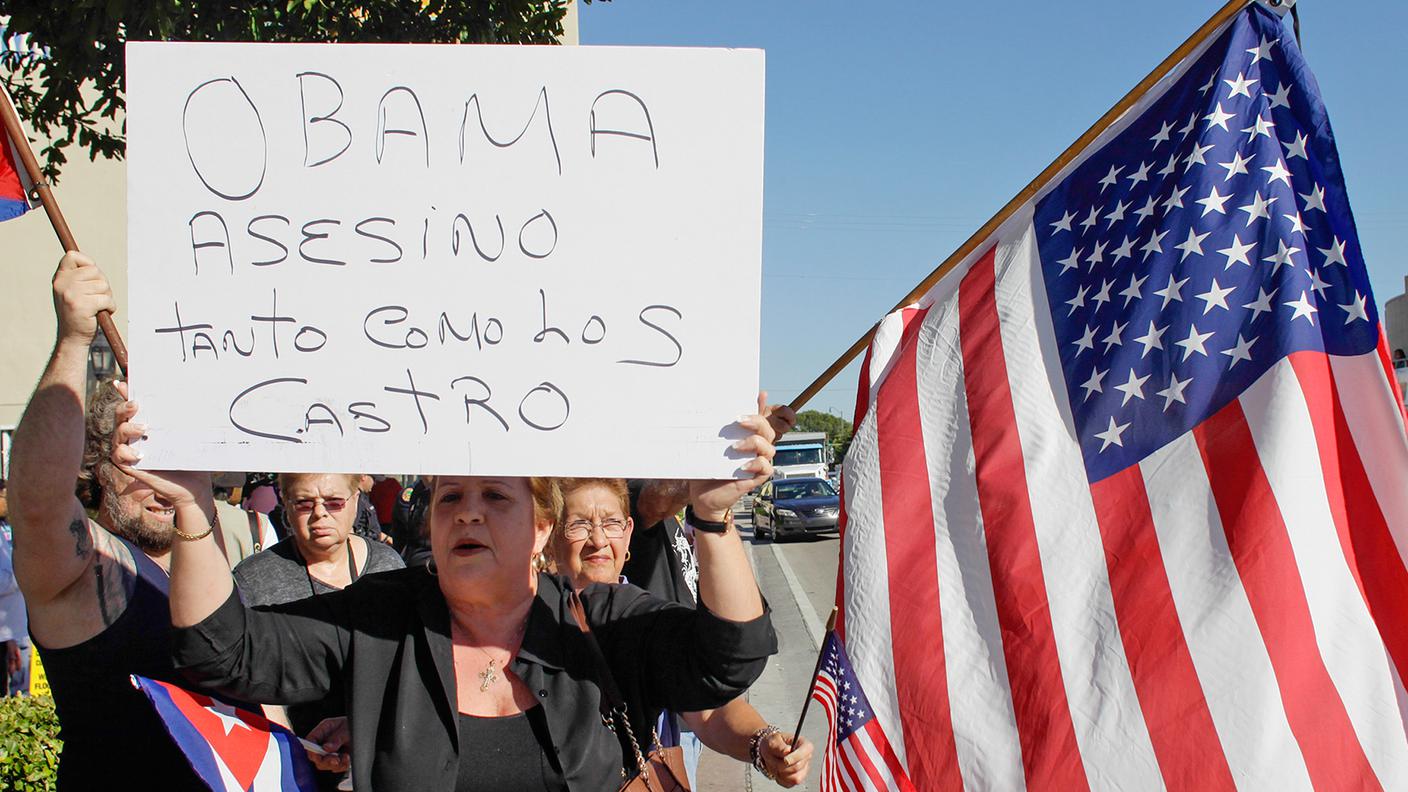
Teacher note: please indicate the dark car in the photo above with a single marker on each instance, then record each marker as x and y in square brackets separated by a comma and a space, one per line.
[787, 507]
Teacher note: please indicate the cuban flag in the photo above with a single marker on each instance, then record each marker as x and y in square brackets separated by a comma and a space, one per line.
[14, 183]
[231, 749]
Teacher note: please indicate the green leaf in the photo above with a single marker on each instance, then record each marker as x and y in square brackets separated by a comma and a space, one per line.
[29, 743]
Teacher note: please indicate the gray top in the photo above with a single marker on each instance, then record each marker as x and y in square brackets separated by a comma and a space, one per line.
[277, 575]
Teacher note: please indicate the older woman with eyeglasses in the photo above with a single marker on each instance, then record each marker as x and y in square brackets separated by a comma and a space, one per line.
[590, 545]
[472, 673]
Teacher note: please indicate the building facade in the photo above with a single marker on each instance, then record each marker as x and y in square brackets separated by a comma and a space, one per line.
[1396, 328]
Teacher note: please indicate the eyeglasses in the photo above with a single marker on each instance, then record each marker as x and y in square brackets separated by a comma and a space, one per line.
[330, 505]
[579, 529]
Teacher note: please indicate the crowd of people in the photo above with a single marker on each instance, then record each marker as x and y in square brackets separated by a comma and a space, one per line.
[462, 632]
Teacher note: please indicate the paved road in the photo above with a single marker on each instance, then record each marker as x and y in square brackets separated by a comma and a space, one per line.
[798, 578]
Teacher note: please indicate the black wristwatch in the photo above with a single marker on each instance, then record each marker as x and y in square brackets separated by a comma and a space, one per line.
[708, 526]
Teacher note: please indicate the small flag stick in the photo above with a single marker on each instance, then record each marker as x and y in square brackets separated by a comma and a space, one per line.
[41, 191]
[830, 626]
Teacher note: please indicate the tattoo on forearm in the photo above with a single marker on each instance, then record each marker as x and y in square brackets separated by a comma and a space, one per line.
[82, 538]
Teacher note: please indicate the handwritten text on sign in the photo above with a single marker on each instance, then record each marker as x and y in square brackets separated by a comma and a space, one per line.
[472, 259]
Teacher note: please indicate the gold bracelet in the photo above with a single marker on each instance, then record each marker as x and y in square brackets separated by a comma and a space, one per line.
[194, 537]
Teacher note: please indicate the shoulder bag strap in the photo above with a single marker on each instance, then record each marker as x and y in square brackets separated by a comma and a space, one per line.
[613, 706]
[611, 698]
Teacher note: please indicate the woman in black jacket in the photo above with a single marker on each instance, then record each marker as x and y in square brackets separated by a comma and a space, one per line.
[470, 673]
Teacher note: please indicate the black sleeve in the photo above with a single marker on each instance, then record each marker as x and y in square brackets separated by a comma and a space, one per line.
[366, 526]
[283, 654]
[683, 659]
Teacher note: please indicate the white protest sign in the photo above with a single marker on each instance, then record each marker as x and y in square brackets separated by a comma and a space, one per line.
[444, 259]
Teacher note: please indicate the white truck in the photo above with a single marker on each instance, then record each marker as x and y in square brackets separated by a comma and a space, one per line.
[802, 455]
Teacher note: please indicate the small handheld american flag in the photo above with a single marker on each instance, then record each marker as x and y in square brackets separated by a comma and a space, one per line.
[858, 755]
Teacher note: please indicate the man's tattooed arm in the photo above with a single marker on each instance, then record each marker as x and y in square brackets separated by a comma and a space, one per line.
[106, 577]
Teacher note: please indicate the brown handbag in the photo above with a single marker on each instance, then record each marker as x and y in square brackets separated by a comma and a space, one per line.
[660, 770]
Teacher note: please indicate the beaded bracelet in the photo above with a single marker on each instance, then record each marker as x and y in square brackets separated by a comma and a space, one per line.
[755, 749]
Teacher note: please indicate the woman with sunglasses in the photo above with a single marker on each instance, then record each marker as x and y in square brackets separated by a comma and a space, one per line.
[321, 555]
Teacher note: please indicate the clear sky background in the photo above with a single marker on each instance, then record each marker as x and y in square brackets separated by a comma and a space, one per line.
[894, 130]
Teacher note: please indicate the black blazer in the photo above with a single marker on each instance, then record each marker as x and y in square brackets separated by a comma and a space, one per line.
[383, 643]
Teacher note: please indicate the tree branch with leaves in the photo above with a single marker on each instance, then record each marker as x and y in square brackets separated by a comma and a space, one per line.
[70, 87]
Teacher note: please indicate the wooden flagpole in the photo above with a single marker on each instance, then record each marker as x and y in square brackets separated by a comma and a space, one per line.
[820, 655]
[56, 218]
[1231, 9]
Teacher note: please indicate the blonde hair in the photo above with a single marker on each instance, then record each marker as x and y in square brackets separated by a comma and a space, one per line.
[547, 498]
[287, 480]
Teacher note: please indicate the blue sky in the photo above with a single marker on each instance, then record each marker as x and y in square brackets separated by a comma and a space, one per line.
[894, 130]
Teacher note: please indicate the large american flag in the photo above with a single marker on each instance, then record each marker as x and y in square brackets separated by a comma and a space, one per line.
[1127, 507]
[858, 754]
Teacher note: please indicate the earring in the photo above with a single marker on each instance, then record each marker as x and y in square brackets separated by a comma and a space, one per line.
[430, 567]
[540, 562]
[628, 556]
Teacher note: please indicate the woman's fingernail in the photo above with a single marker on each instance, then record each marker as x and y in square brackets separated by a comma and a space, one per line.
[139, 454]
[742, 418]
[739, 444]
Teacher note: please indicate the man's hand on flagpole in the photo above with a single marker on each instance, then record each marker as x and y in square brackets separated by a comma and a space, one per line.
[81, 292]
[787, 764]
[781, 417]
